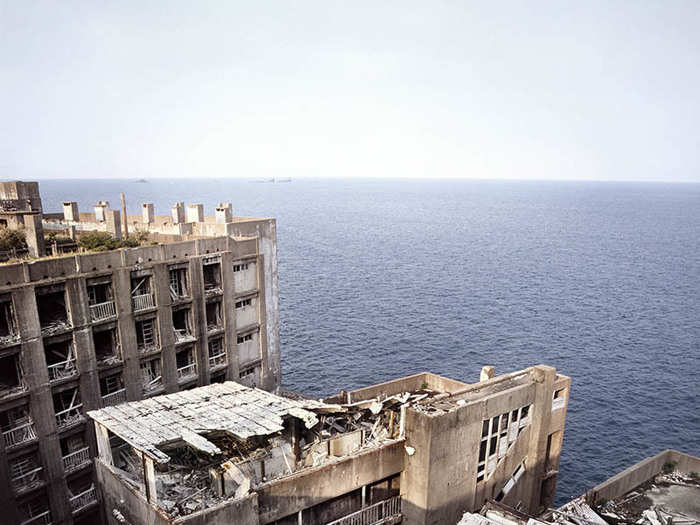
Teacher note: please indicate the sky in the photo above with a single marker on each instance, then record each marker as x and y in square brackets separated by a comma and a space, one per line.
[602, 90]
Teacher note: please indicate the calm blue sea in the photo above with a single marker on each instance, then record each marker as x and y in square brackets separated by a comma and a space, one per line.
[385, 278]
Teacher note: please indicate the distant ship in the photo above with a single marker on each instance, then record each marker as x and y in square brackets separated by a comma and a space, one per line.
[272, 180]
[142, 180]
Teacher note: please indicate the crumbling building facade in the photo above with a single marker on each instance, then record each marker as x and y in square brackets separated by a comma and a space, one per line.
[417, 450]
[195, 305]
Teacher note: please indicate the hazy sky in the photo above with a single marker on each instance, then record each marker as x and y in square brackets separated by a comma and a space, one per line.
[563, 89]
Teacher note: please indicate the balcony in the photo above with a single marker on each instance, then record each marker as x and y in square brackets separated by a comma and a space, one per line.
[69, 416]
[84, 499]
[62, 370]
[142, 302]
[102, 311]
[18, 435]
[183, 336]
[40, 519]
[387, 511]
[217, 360]
[77, 459]
[27, 480]
[187, 372]
[114, 398]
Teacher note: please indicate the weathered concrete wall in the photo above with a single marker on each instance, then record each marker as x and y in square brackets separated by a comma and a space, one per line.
[117, 495]
[243, 511]
[305, 489]
[640, 472]
[406, 384]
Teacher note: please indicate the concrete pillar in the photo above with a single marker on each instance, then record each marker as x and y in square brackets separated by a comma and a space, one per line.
[224, 213]
[100, 208]
[112, 218]
[229, 317]
[540, 416]
[178, 213]
[195, 213]
[149, 476]
[161, 282]
[148, 217]
[103, 447]
[121, 281]
[34, 232]
[199, 318]
[70, 211]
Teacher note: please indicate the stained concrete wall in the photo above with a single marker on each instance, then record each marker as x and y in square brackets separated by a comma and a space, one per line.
[640, 472]
[281, 498]
[406, 384]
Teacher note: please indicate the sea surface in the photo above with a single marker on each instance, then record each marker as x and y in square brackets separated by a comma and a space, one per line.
[383, 278]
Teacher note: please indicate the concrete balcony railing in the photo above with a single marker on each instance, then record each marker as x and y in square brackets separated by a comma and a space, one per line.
[18, 435]
[114, 398]
[183, 336]
[102, 311]
[188, 371]
[27, 480]
[77, 459]
[380, 512]
[84, 499]
[69, 416]
[217, 360]
[62, 370]
[40, 519]
[142, 302]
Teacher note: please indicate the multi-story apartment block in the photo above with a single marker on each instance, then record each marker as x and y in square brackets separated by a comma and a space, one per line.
[84, 331]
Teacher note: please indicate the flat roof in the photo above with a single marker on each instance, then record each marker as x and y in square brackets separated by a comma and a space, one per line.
[228, 408]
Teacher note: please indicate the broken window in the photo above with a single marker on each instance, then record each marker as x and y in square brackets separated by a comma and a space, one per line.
[151, 375]
[146, 335]
[68, 406]
[517, 474]
[107, 348]
[75, 452]
[212, 276]
[181, 324]
[186, 365]
[141, 292]
[35, 510]
[213, 315]
[8, 329]
[112, 389]
[53, 314]
[17, 426]
[60, 359]
[26, 472]
[178, 283]
[11, 378]
[497, 436]
[217, 352]
[81, 492]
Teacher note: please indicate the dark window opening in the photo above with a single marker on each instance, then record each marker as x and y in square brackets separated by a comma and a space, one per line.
[141, 285]
[99, 293]
[7, 321]
[212, 276]
[67, 406]
[53, 314]
[60, 359]
[181, 323]
[111, 384]
[244, 338]
[10, 373]
[220, 378]
[213, 314]
[106, 346]
[184, 358]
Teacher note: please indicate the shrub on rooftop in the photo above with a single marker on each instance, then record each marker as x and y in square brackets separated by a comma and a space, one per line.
[12, 239]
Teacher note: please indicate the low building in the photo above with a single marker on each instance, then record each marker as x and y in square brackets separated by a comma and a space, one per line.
[195, 304]
[420, 449]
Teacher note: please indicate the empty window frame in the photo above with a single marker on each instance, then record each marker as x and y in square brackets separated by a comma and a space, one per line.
[213, 311]
[67, 406]
[178, 283]
[8, 328]
[240, 267]
[17, 426]
[11, 377]
[151, 374]
[111, 384]
[60, 359]
[107, 347]
[99, 291]
[182, 324]
[141, 292]
[146, 335]
[35, 510]
[212, 276]
[217, 352]
[51, 305]
[26, 472]
[497, 436]
[186, 364]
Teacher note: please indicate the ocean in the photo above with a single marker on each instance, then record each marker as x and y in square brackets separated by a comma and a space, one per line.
[383, 278]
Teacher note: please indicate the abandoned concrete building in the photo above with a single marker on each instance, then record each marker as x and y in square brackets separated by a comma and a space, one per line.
[422, 449]
[195, 305]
